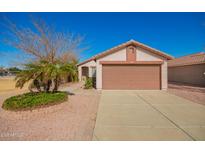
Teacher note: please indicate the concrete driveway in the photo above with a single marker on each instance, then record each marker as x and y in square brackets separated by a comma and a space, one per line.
[148, 115]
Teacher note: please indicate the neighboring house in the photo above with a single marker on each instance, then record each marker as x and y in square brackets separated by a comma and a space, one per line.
[189, 69]
[3, 72]
[8, 71]
[131, 65]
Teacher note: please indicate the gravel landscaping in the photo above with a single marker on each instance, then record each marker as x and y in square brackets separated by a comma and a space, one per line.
[72, 120]
[192, 93]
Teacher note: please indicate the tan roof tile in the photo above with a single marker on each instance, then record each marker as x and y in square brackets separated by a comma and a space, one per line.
[192, 59]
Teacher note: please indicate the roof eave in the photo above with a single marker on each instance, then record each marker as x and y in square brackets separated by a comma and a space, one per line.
[137, 44]
[131, 42]
[86, 61]
[178, 65]
[158, 52]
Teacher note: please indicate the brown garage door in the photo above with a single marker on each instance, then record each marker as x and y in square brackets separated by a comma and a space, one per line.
[131, 77]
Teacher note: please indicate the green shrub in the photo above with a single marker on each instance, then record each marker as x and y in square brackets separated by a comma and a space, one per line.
[34, 100]
[88, 83]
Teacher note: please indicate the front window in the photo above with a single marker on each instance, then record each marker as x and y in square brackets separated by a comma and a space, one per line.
[93, 69]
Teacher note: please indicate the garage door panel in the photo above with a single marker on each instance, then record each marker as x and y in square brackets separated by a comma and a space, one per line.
[131, 76]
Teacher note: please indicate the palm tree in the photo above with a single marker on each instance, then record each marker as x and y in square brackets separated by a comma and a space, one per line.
[54, 53]
[33, 73]
[45, 74]
[73, 70]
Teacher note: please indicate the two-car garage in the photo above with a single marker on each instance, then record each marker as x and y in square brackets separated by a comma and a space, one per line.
[128, 66]
[116, 76]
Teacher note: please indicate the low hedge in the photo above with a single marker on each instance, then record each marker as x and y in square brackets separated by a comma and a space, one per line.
[34, 100]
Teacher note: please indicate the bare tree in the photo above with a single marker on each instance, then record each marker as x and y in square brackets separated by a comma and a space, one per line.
[53, 53]
[43, 42]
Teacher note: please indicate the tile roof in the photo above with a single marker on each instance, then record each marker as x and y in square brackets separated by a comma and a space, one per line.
[192, 59]
[131, 42]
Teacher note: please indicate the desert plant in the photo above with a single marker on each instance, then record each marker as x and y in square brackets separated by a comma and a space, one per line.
[33, 100]
[73, 71]
[44, 74]
[88, 83]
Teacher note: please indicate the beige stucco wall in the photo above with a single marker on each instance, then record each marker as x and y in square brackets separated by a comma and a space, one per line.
[164, 75]
[191, 74]
[89, 65]
[142, 55]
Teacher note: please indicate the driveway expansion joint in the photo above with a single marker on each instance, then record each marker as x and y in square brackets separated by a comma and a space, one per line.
[165, 117]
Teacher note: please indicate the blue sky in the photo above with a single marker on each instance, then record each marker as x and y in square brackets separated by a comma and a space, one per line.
[177, 34]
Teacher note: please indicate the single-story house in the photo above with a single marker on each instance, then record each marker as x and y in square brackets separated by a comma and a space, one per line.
[131, 65]
[189, 69]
